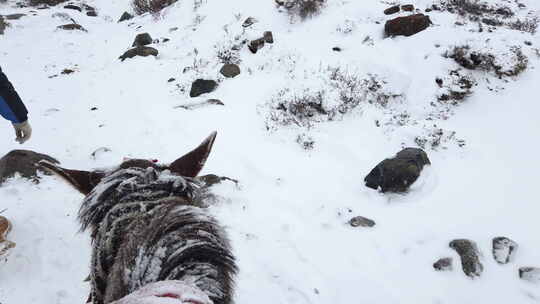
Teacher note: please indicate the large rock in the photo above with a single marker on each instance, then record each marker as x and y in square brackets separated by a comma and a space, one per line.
[142, 40]
[22, 162]
[399, 173]
[125, 16]
[230, 70]
[504, 249]
[202, 86]
[531, 274]
[470, 257]
[407, 26]
[139, 51]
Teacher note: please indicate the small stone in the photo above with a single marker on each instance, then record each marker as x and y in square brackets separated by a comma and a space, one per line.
[528, 43]
[172, 29]
[268, 37]
[360, 221]
[407, 7]
[142, 39]
[91, 14]
[391, 10]
[73, 7]
[14, 16]
[531, 274]
[249, 22]
[504, 249]
[256, 45]
[336, 49]
[139, 51]
[125, 16]
[215, 102]
[93, 108]
[230, 70]
[202, 86]
[470, 257]
[444, 264]
[72, 27]
[439, 82]
[171, 79]
[67, 71]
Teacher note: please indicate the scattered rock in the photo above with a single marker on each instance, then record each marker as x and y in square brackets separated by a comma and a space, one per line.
[202, 86]
[142, 39]
[268, 37]
[336, 49]
[171, 79]
[407, 26]
[504, 249]
[249, 22]
[230, 70]
[531, 274]
[72, 27]
[470, 257]
[197, 105]
[139, 51]
[398, 173]
[256, 45]
[3, 25]
[14, 16]
[22, 162]
[360, 221]
[391, 10]
[212, 179]
[67, 71]
[73, 7]
[444, 264]
[407, 7]
[125, 16]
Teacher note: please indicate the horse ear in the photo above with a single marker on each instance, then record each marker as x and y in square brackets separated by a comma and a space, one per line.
[83, 181]
[192, 163]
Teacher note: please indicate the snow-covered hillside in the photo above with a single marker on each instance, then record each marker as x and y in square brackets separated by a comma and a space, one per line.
[301, 179]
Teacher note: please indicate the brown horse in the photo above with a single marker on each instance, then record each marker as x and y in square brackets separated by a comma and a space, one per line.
[151, 235]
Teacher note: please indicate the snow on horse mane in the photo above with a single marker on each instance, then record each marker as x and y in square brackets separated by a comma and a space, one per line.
[147, 228]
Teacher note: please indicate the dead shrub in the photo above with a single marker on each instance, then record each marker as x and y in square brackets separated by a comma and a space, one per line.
[303, 8]
[150, 6]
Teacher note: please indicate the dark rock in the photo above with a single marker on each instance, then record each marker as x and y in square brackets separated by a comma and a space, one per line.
[504, 249]
[45, 2]
[444, 264]
[14, 16]
[202, 86]
[470, 257]
[73, 7]
[256, 45]
[93, 109]
[139, 51]
[125, 16]
[215, 102]
[407, 26]
[91, 13]
[398, 173]
[67, 71]
[268, 37]
[163, 40]
[528, 43]
[22, 162]
[360, 221]
[3, 25]
[391, 10]
[142, 39]
[336, 49]
[171, 79]
[212, 179]
[230, 70]
[249, 22]
[407, 7]
[531, 274]
[72, 27]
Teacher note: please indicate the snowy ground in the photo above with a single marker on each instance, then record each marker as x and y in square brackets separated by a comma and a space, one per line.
[288, 219]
